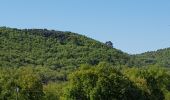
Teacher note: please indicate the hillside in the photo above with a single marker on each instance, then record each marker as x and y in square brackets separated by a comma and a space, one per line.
[41, 64]
[54, 49]
[160, 58]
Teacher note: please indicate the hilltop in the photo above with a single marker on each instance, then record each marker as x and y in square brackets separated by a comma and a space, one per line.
[160, 57]
[22, 47]
[46, 64]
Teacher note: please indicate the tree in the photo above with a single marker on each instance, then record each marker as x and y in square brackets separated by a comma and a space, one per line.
[109, 43]
[153, 80]
[100, 83]
[53, 91]
[30, 84]
[25, 80]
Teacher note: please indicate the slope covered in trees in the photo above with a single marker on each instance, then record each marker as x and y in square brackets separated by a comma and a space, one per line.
[41, 64]
[160, 58]
[54, 49]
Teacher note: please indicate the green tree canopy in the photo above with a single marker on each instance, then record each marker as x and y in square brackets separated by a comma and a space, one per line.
[101, 82]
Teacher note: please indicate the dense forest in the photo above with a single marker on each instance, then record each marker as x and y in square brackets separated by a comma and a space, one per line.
[41, 64]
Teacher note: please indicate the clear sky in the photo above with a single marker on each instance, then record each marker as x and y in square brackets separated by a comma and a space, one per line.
[134, 26]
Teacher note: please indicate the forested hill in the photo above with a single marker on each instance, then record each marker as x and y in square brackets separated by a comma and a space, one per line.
[41, 64]
[160, 57]
[54, 49]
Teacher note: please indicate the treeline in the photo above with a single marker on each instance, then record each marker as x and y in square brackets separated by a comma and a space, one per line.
[159, 58]
[100, 82]
[41, 64]
[54, 49]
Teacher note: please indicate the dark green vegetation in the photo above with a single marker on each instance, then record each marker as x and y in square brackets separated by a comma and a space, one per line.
[41, 64]
[160, 58]
[55, 49]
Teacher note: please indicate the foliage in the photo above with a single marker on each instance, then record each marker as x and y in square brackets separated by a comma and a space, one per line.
[22, 83]
[153, 80]
[55, 49]
[41, 64]
[101, 83]
[53, 91]
[159, 58]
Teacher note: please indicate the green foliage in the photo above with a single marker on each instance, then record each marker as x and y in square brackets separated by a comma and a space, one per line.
[28, 84]
[101, 83]
[53, 91]
[159, 58]
[153, 80]
[56, 49]
[54, 58]
[7, 84]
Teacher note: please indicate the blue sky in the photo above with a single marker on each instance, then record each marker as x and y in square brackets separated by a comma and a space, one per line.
[134, 26]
